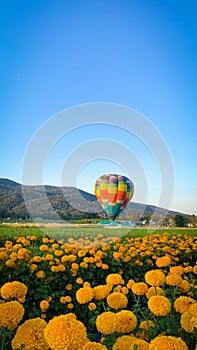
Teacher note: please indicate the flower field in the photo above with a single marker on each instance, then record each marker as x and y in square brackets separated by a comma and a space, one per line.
[97, 292]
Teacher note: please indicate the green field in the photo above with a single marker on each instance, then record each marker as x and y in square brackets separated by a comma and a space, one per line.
[8, 232]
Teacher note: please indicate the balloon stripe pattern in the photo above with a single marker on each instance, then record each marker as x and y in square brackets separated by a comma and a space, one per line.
[113, 193]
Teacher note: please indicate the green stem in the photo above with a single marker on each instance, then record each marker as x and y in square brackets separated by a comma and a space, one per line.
[3, 338]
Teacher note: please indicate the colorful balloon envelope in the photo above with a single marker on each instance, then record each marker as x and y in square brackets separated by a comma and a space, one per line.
[113, 193]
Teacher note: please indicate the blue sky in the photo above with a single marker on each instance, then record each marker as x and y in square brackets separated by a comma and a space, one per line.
[140, 54]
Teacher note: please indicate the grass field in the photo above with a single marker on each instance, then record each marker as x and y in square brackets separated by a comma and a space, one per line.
[57, 232]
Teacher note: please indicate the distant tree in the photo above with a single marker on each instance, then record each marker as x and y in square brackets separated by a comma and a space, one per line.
[180, 220]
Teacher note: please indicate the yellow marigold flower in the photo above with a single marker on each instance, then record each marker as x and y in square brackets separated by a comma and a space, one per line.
[159, 305]
[58, 252]
[33, 267]
[74, 266]
[174, 279]
[101, 291]
[139, 288]
[183, 303]
[37, 259]
[154, 291]
[106, 322]
[94, 346]
[10, 263]
[3, 256]
[81, 253]
[14, 256]
[126, 321]
[45, 240]
[105, 267]
[79, 280]
[84, 295]
[69, 286]
[92, 306]
[123, 343]
[125, 290]
[185, 286]
[44, 248]
[165, 342]
[114, 278]
[195, 269]
[83, 264]
[11, 313]
[189, 319]
[141, 344]
[147, 324]
[65, 332]
[54, 268]
[117, 300]
[178, 270]
[155, 278]
[49, 257]
[72, 258]
[70, 306]
[163, 261]
[40, 274]
[130, 283]
[14, 290]
[44, 305]
[31, 334]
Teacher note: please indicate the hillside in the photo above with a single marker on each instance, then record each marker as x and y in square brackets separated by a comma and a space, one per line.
[68, 202]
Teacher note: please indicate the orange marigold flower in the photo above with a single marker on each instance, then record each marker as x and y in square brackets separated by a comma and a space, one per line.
[130, 283]
[139, 288]
[92, 306]
[117, 300]
[189, 319]
[126, 321]
[79, 280]
[155, 278]
[147, 324]
[31, 334]
[11, 313]
[123, 343]
[154, 291]
[94, 346]
[163, 261]
[178, 270]
[141, 344]
[69, 286]
[40, 274]
[65, 332]
[14, 290]
[44, 305]
[84, 295]
[183, 303]
[106, 322]
[101, 291]
[159, 305]
[165, 342]
[114, 278]
[174, 279]
[10, 263]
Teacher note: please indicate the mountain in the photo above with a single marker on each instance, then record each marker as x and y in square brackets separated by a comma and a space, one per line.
[50, 202]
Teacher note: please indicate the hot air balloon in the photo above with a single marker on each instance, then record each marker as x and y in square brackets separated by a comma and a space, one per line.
[113, 193]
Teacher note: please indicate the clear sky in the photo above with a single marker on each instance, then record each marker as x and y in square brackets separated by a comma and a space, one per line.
[56, 54]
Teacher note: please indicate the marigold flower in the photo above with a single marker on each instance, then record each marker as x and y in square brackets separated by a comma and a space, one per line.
[65, 332]
[159, 305]
[163, 261]
[44, 305]
[94, 346]
[70, 306]
[84, 295]
[183, 303]
[114, 278]
[79, 280]
[130, 283]
[147, 324]
[141, 344]
[102, 291]
[3, 256]
[33, 267]
[11, 313]
[117, 300]
[139, 288]
[40, 274]
[37, 259]
[189, 321]
[155, 278]
[10, 263]
[177, 270]
[195, 269]
[31, 334]
[164, 342]
[154, 291]
[14, 290]
[106, 322]
[69, 286]
[174, 279]
[123, 343]
[92, 306]
[126, 321]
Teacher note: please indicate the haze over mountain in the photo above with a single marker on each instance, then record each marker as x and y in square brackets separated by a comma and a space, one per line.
[50, 202]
